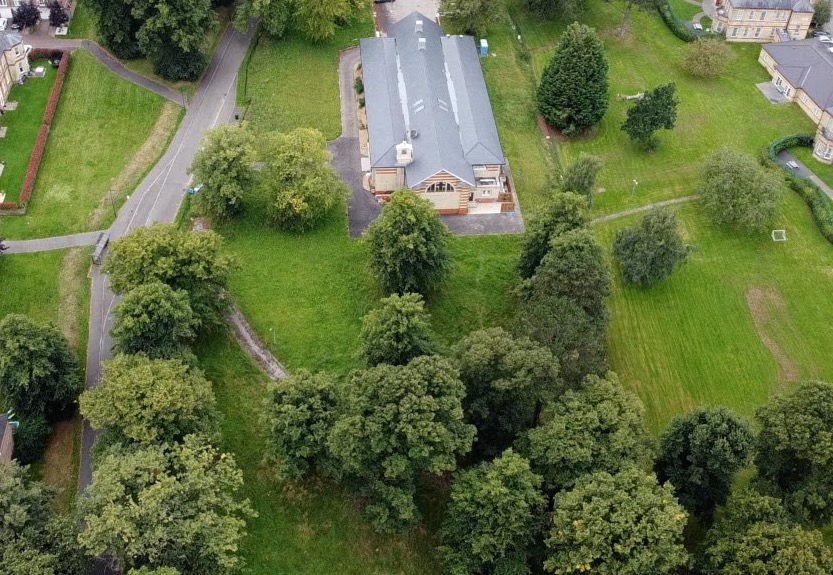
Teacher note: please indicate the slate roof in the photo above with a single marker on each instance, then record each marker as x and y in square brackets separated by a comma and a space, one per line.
[806, 64]
[9, 40]
[438, 91]
[794, 5]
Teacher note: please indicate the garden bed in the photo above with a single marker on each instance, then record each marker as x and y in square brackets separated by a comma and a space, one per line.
[28, 129]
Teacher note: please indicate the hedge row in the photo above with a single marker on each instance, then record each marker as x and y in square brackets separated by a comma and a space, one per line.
[793, 141]
[676, 25]
[43, 132]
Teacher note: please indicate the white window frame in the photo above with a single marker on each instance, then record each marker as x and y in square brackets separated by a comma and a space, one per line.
[828, 153]
[734, 32]
[4, 3]
[763, 14]
[757, 32]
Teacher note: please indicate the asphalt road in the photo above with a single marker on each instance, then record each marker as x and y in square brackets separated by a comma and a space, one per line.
[157, 199]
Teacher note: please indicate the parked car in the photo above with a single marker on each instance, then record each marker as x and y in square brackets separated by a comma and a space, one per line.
[820, 32]
[826, 39]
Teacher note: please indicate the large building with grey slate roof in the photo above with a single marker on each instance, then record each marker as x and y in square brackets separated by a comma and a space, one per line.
[14, 62]
[802, 71]
[429, 120]
[763, 20]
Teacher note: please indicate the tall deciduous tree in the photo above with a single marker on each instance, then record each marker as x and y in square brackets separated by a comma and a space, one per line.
[753, 535]
[156, 320]
[317, 21]
[191, 515]
[397, 332]
[738, 191]
[117, 27]
[562, 213]
[572, 95]
[471, 16]
[573, 337]
[507, 382]
[184, 260]
[795, 450]
[576, 268]
[650, 251]
[299, 414]
[398, 422]
[178, 24]
[598, 427]
[26, 15]
[821, 16]
[564, 9]
[408, 245]
[707, 57]
[223, 165]
[297, 177]
[150, 400]
[656, 110]
[580, 176]
[39, 373]
[492, 518]
[625, 524]
[699, 454]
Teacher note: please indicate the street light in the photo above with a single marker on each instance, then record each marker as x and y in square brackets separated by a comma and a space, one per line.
[633, 189]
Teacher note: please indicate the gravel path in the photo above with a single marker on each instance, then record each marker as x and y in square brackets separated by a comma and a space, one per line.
[645, 208]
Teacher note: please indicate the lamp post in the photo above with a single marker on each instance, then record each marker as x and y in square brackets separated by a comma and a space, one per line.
[633, 189]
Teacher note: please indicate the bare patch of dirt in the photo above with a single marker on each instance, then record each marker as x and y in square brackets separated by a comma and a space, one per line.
[761, 304]
[552, 133]
[58, 470]
[140, 163]
[253, 345]
[71, 290]
[200, 224]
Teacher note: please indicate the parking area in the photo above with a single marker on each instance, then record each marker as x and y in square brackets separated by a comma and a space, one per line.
[389, 12]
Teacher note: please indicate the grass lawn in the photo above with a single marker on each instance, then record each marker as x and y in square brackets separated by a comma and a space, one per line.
[726, 111]
[293, 83]
[823, 171]
[699, 337]
[684, 10]
[101, 124]
[23, 125]
[303, 529]
[83, 24]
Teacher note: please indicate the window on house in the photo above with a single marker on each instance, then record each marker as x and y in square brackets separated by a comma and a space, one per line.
[440, 187]
[4, 3]
[804, 97]
[751, 14]
[745, 32]
[788, 91]
[828, 152]
[757, 32]
[486, 193]
[763, 15]
[734, 31]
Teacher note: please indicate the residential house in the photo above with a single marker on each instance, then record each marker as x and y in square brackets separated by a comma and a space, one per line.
[802, 71]
[14, 62]
[763, 20]
[6, 7]
[6, 439]
[429, 119]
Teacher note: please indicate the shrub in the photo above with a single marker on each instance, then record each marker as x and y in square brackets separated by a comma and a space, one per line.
[31, 438]
[174, 64]
[58, 16]
[707, 57]
[358, 85]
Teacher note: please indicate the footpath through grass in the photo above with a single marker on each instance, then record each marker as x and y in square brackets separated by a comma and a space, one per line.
[745, 317]
[101, 124]
[823, 171]
[22, 128]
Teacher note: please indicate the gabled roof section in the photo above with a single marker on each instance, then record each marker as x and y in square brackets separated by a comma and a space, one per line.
[9, 40]
[794, 5]
[806, 64]
[427, 87]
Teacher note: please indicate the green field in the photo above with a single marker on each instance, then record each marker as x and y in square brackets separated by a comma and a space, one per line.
[30, 284]
[100, 126]
[23, 125]
[303, 529]
[699, 337]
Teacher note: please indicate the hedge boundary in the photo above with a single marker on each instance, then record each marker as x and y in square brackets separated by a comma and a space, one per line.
[675, 24]
[820, 205]
[19, 207]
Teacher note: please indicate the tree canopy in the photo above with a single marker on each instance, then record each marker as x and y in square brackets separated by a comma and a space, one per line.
[301, 184]
[507, 380]
[572, 95]
[699, 454]
[397, 422]
[821, 14]
[183, 260]
[223, 166]
[150, 400]
[191, 516]
[39, 373]
[397, 332]
[795, 450]
[625, 524]
[316, 20]
[471, 16]
[656, 110]
[707, 57]
[492, 517]
[598, 427]
[408, 245]
[299, 414]
[580, 176]
[738, 191]
[651, 250]
[561, 213]
[156, 320]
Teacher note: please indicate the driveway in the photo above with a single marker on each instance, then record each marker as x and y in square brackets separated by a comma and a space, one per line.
[389, 12]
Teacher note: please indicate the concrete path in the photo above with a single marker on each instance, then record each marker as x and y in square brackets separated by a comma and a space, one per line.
[108, 60]
[785, 156]
[253, 345]
[157, 199]
[645, 208]
[53, 243]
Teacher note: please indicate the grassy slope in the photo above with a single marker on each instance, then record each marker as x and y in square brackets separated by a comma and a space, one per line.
[691, 340]
[30, 284]
[101, 123]
[23, 125]
[300, 529]
[726, 111]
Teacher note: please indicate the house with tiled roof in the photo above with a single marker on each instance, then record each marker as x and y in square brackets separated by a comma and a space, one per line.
[429, 119]
[763, 20]
[802, 71]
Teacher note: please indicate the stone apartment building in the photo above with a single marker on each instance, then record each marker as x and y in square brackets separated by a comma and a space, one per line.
[763, 20]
